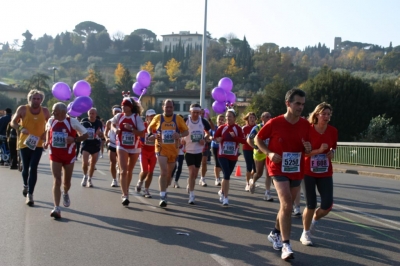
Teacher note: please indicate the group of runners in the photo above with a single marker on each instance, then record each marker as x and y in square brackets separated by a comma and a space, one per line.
[291, 147]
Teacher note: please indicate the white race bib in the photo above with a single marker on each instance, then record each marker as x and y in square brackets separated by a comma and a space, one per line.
[147, 141]
[128, 138]
[31, 142]
[319, 163]
[59, 139]
[291, 162]
[229, 148]
[196, 135]
[167, 136]
[90, 132]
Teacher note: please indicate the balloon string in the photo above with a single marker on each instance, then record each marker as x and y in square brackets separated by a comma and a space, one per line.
[141, 95]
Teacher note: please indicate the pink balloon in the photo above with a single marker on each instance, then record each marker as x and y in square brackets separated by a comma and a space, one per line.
[219, 107]
[82, 104]
[226, 84]
[219, 94]
[61, 91]
[143, 78]
[82, 88]
[137, 88]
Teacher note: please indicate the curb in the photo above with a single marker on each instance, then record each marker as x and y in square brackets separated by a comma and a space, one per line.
[366, 173]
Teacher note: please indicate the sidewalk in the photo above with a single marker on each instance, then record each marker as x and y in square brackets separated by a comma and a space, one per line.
[367, 171]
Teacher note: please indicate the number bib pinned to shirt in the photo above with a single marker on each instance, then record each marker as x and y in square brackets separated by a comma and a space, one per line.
[319, 163]
[229, 148]
[59, 139]
[167, 136]
[147, 141]
[31, 142]
[291, 162]
[196, 135]
[128, 138]
[91, 134]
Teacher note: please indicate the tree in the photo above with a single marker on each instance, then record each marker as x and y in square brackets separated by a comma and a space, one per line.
[38, 81]
[103, 41]
[88, 27]
[232, 70]
[99, 92]
[381, 130]
[133, 42]
[119, 72]
[387, 99]
[149, 67]
[28, 45]
[66, 43]
[57, 46]
[43, 42]
[172, 68]
[148, 38]
[91, 44]
[123, 78]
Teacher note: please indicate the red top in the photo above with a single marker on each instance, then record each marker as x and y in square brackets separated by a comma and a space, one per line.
[59, 133]
[125, 138]
[319, 165]
[286, 139]
[144, 144]
[229, 146]
[246, 131]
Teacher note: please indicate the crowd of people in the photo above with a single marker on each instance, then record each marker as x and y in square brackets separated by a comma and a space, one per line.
[295, 151]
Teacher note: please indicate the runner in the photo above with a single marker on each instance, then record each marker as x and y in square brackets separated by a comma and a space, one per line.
[206, 150]
[250, 119]
[4, 121]
[229, 136]
[11, 134]
[110, 136]
[318, 170]
[215, 148]
[61, 138]
[194, 145]
[179, 163]
[129, 128]
[78, 144]
[32, 118]
[168, 125]
[288, 141]
[259, 159]
[103, 140]
[91, 146]
[148, 157]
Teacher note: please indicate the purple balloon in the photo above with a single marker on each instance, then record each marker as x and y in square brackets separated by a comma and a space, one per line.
[219, 107]
[219, 94]
[61, 91]
[137, 88]
[136, 99]
[230, 97]
[143, 78]
[226, 84]
[73, 113]
[69, 106]
[82, 104]
[82, 88]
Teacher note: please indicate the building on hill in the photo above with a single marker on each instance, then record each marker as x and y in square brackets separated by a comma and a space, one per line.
[13, 92]
[338, 41]
[185, 37]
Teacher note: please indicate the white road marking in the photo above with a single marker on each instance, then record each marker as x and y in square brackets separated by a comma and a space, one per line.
[221, 260]
[101, 172]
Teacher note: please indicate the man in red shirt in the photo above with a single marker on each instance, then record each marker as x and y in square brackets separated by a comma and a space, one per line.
[288, 142]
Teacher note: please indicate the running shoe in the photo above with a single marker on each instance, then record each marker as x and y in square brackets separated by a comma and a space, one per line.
[218, 182]
[247, 188]
[268, 197]
[101, 156]
[276, 241]
[163, 202]
[176, 185]
[313, 228]
[29, 200]
[84, 181]
[202, 182]
[138, 187]
[191, 199]
[114, 183]
[125, 200]
[221, 196]
[296, 211]
[146, 193]
[25, 191]
[252, 186]
[187, 188]
[287, 252]
[66, 200]
[89, 183]
[56, 213]
[225, 202]
[305, 239]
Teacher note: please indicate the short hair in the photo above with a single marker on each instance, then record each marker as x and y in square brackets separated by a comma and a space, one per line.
[196, 105]
[93, 108]
[231, 111]
[293, 92]
[8, 111]
[33, 92]
[313, 117]
[60, 106]
[221, 115]
[168, 100]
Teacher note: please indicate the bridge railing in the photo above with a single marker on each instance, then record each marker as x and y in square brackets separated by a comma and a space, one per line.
[369, 154]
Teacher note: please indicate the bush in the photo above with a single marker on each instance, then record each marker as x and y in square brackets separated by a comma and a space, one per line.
[380, 130]
[95, 59]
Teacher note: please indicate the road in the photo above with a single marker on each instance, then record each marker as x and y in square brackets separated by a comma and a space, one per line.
[362, 229]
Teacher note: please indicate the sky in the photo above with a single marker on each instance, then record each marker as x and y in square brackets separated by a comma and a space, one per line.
[293, 23]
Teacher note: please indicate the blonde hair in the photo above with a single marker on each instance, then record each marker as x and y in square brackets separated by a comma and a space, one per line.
[33, 92]
[313, 117]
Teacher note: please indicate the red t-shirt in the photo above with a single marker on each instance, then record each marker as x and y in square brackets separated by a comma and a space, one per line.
[286, 139]
[229, 146]
[319, 165]
[246, 131]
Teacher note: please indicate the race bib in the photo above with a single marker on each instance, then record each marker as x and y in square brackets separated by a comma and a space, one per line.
[291, 162]
[167, 136]
[128, 138]
[196, 136]
[91, 133]
[319, 163]
[147, 141]
[59, 140]
[229, 148]
[31, 142]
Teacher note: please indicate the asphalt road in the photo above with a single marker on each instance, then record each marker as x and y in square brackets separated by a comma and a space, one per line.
[362, 229]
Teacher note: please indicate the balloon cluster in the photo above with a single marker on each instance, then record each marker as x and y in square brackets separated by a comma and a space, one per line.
[82, 102]
[143, 80]
[223, 95]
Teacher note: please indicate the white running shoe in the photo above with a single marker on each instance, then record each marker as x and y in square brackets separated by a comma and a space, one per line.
[252, 186]
[221, 196]
[89, 183]
[56, 213]
[138, 187]
[66, 200]
[276, 241]
[191, 199]
[218, 182]
[225, 202]
[296, 211]
[268, 197]
[125, 200]
[313, 228]
[29, 200]
[114, 183]
[176, 185]
[287, 252]
[84, 181]
[247, 188]
[202, 182]
[305, 239]
[101, 156]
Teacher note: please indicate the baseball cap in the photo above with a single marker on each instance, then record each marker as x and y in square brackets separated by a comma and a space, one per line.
[150, 112]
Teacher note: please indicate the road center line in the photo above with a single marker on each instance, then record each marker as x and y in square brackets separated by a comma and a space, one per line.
[221, 260]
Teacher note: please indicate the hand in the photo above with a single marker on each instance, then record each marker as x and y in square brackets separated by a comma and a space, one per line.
[232, 134]
[70, 140]
[274, 157]
[323, 147]
[45, 145]
[117, 131]
[307, 146]
[219, 139]
[183, 141]
[330, 154]
[176, 136]
[25, 131]
[128, 126]
[202, 142]
[151, 138]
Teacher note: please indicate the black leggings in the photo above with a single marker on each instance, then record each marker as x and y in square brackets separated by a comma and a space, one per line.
[30, 161]
[227, 167]
[215, 154]
[179, 168]
[325, 189]
[250, 164]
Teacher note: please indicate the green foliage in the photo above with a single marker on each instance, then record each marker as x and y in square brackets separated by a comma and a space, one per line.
[133, 42]
[381, 130]
[99, 92]
[387, 99]
[7, 102]
[88, 27]
[192, 84]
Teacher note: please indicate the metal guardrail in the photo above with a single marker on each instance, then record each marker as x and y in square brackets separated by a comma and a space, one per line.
[369, 154]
